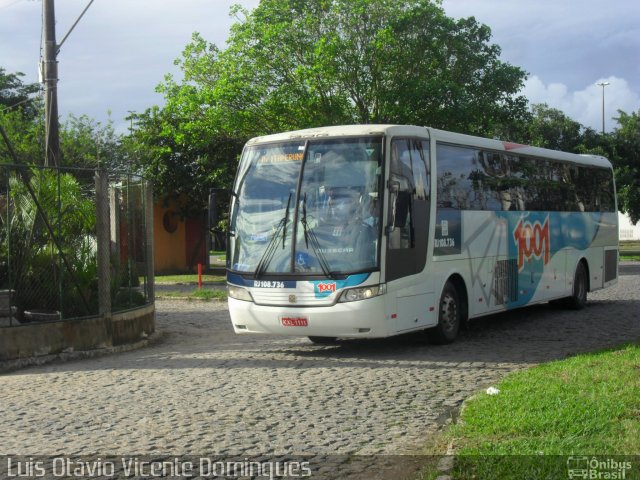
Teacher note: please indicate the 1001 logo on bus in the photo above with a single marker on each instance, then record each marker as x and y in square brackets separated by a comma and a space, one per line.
[532, 240]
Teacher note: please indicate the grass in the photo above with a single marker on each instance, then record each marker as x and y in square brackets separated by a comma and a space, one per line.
[630, 250]
[583, 406]
[189, 279]
[192, 280]
[201, 294]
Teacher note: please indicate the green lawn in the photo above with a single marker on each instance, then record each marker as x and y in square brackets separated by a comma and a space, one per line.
[630, 251]
[189, 279]
[196, 294]
[588, 405]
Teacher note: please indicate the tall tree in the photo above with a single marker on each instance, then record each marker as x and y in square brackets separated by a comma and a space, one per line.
[84, 142]
[20, 118]
[302, 63]
[14, 93]
[625, 154]
[292, 64]
[185, 159]
[551, 128]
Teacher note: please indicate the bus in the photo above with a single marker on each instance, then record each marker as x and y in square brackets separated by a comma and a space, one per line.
[369, 231]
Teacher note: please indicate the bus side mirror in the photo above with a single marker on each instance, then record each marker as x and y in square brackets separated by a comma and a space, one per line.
[394, 189]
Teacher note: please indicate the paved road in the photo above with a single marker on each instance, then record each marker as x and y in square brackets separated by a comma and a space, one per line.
[202, 389]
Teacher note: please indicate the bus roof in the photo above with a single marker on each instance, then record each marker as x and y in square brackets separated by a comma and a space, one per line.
[439, 135]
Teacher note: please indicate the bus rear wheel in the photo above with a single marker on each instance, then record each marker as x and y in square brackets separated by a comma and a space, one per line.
[449, 317]
[578, 298]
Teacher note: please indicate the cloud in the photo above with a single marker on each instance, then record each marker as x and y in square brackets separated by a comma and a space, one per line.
[585, 106]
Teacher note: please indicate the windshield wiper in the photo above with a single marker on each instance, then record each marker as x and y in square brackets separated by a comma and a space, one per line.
[271, 247]
[309, 235]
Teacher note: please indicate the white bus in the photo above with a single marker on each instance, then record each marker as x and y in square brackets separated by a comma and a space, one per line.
[367, 231]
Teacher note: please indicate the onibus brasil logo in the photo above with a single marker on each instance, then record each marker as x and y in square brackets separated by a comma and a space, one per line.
[594, 468]
[532, 241]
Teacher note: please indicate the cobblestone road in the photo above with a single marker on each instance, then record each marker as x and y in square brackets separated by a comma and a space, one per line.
[202, 389]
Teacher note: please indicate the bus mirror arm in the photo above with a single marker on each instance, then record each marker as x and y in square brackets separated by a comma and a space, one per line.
[394, 189]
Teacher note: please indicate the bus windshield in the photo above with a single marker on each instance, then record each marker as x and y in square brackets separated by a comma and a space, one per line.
[308, 207]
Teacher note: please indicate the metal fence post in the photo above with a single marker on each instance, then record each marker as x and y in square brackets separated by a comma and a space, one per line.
[148, 218]
[103, 234]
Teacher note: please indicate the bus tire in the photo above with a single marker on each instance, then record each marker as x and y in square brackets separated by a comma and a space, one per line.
[578, 298]
[449, 317]
[323, 340]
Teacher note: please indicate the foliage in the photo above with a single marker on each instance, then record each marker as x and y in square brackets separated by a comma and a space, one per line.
[88, 144]
[551, 128]
[26, 136]
[20, 118]
[294, 64]
[14, 94]
[126, 298]
[37, 273]
[83, 141]
[184, 163]
[624, 147]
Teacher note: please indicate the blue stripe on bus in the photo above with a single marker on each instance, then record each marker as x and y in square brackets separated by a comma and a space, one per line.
[235, 279]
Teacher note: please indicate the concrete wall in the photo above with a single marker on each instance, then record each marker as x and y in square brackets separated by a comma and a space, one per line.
[628, 231]
[35, 340]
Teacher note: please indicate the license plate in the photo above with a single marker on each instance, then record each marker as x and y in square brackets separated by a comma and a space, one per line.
[294, 321]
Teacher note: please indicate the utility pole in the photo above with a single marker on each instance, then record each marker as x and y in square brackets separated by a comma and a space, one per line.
[50, 77]
[603, 84]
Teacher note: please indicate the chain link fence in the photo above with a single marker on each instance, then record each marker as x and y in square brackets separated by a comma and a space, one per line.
[74, 243]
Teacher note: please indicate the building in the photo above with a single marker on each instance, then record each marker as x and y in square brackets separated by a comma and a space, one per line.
[180, 244]
[628, 231]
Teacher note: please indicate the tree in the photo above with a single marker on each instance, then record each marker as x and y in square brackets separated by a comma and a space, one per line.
[625, 154]
[20, 118]
[294, 63]
[184, 162]
[84, 142]
[551, 128]
[89, 144]
[15, 94]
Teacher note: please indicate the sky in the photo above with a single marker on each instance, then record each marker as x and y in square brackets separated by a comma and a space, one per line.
[122, 49]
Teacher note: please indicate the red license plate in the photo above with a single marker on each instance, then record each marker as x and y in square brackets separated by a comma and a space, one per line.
[294, 321]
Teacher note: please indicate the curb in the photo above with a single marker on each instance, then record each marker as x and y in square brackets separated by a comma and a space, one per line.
[17, 364]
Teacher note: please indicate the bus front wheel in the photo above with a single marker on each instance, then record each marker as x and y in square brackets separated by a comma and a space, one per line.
[449, 317]
[323, 340]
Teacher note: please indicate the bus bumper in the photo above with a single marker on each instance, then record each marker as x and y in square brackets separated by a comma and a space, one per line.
[360, 319]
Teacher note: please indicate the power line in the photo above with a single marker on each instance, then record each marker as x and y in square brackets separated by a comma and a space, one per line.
[74, 25]
[20, 103]
[11, 4]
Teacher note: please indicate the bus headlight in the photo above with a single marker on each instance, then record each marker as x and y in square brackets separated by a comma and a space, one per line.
[362, 293]
[239, 293]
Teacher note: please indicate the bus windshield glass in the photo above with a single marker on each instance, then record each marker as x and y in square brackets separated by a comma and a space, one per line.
[308, 207]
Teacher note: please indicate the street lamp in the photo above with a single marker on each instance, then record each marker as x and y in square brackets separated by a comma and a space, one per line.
[603, 84]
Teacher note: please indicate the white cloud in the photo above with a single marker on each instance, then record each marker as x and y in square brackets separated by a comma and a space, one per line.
[585, 106]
